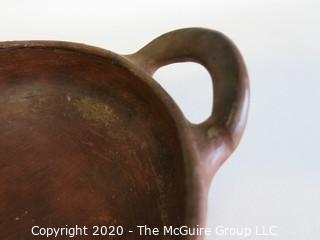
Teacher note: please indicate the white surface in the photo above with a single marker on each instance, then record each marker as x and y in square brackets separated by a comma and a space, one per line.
[273, 177]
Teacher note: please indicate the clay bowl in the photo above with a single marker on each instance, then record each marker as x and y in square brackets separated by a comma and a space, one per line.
[89, 138]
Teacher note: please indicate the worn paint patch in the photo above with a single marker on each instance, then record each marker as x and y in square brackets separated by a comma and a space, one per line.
[95, 110]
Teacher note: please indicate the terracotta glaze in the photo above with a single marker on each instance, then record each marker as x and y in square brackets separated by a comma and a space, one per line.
[88, 137]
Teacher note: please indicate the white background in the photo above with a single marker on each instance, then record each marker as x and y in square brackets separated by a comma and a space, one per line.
[273, 177]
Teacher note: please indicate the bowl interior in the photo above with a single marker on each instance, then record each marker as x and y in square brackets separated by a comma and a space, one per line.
[83, 141]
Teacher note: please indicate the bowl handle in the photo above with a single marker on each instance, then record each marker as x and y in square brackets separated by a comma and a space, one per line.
[218, 136]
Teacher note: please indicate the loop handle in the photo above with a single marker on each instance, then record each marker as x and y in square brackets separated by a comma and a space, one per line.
[219, 135]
